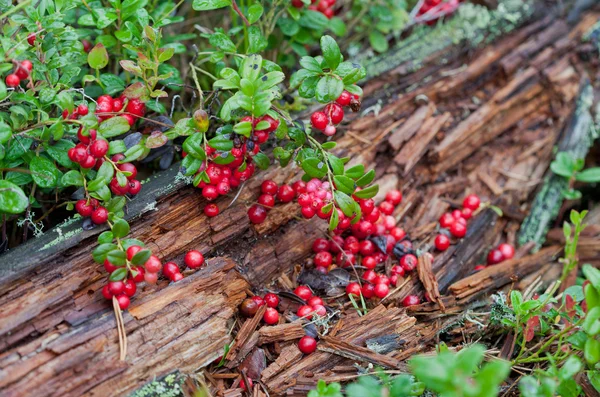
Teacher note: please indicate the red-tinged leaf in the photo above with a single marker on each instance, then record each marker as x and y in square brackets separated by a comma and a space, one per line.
[156, 140]
[137, 91]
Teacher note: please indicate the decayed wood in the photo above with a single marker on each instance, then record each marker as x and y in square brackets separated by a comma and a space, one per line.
[77, 351]
[280, 333]
[245, 339]
[427, 277]
[410, 127]
[356, 353]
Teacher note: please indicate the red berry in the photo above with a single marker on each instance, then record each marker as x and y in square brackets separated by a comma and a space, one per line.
[397, 233]
[223, 187]
[99, 148]
[442, 242]
[381, 290]
[303, 292]
[329, 130]
[83, 208]
[266, 200]
[87, 46]
[479, 267]
[345, 259]
[305, 311]
[109, 267]
[367, 206]
[99, 216]
[129, 118]
[345, 98]
[116, 287]
[12, 80]
[210, 192]
[269, 187]
[319, 120]
[24, 69]
[31, 39]
[131, 251]
[194, 259]
[408, 262]
[123, 301]
[89, 162]
[369, 262]
[494, 257]
[211, 210]
[471, 202]
[118, 189]
[323, 258]
[286, 193]
[320, 245]
[314, 301]
[257, 214]
[106, 292]
[398, 270]
[447, 220]
[271, 300]
[457, 214]
[411, 300]
[243, 384]
[139, 274]
[134, 187]
[368, 291]
[307, 344]
[367, 247]
[319, 310]
[130, 288]
[258, 300]
[169, 269]
[466, 213]
[386, 207]
[136, 107]
[153, 265]
[382, 279]
[177, 277]
[128, 168]
[394, 197]
[508, 251]
[353, 289]
[307, 212]
[335, 113]
[299, 187]
[458, 230]
[369, 276]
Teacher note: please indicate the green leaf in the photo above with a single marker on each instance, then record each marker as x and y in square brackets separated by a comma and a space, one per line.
[193, 146]
[190, 165]
[100, 252]
[5, 132]
[98, 57]
[44, 172]
[378, 41]
[314, 167]
[344, 184]
[205, 5]
[591, 351]
[133, 153]
[345, 202]
[12, 198]
[270, 80]
[72, 178]
[591, 323]
[59, 152]
[366, 178]
[591, 175]
[141, 257]
[594, 377]
[113, 127]
[355, 172]
[256, 41]
[221, 142]
[116, 257]
[331, 52]
[311, 64]
[329, 88]
[329, 145]
[222, 42]
[571, 368]
[336, 164]
[592, 274]
[308, 88]
[131, 241]
[334, 220]
[255, 11]
[367, 193]
[261, 160]
[119, 274]
[105, 237]
[563, 165]
[251, 67]
[120, 228]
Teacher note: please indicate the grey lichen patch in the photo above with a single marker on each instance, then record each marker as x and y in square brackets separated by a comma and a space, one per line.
[61, 237]
[167, 386]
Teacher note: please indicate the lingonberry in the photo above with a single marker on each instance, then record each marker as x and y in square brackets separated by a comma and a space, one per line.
[307, 344]
[117, 189]
[129, 288]
[116, 287]
[353, 289]
[131, 251]
[397, 233]
[345, 98]
[471, 202]
[299, 187]
[266, 200]
[381, 290]
[508, 251]
[99, 148]
[320, 245]
[394, 197]
[129, 170]
[386, 208]
[479, 267]
[248, 307]
[211, 210]
[336, 244]
[286, 193]
[106, 292]
[31, 39]
[258, 300]
[134, 187]
[447, 220]
[369, 276]
[323, 258]
[335, 113]
[269, 187]
[305, 311]
[109, 267]
[136, 107]
[151, 278]
[367, 206]
[394, 279]
[367, 247]
[382, 279]
[319, 120]
[397, 270]
[12, 80]
[307, 212]
[24, 69]
[442, 242]
[408, 262]
[466, 213]
[223, 187]
[330, 130]
[137, 274]
[210, 192]
[458, 230]
[89, 162]
[123, 301]
[169, 269]
[410, 300]
[83, 110]
[99, 216]
[494, 257]
[368, 290]
[314, 301]
[257, 214]
[83, 208]
[345, 259]
[271, 300]
[369, 262]
[177, 277]
[462, 221]
[194, 259]
[303, 292]
[243, 384]
[319, 310]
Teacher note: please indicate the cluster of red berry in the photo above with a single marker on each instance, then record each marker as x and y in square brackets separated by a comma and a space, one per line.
[193, 259]
[257, 213]
[325, 120]
[325, 7]
[455, 223]
[222, 177]
[108, 107]
[132, 185]
[124, 290]
[314, 304]
[91, 208]
[434, 9]
[22, 71]
[501, 253]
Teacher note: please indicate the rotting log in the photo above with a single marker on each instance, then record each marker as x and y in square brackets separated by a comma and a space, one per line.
[58, 334]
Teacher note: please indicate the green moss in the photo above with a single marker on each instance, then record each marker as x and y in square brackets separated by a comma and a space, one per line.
[167, 386]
